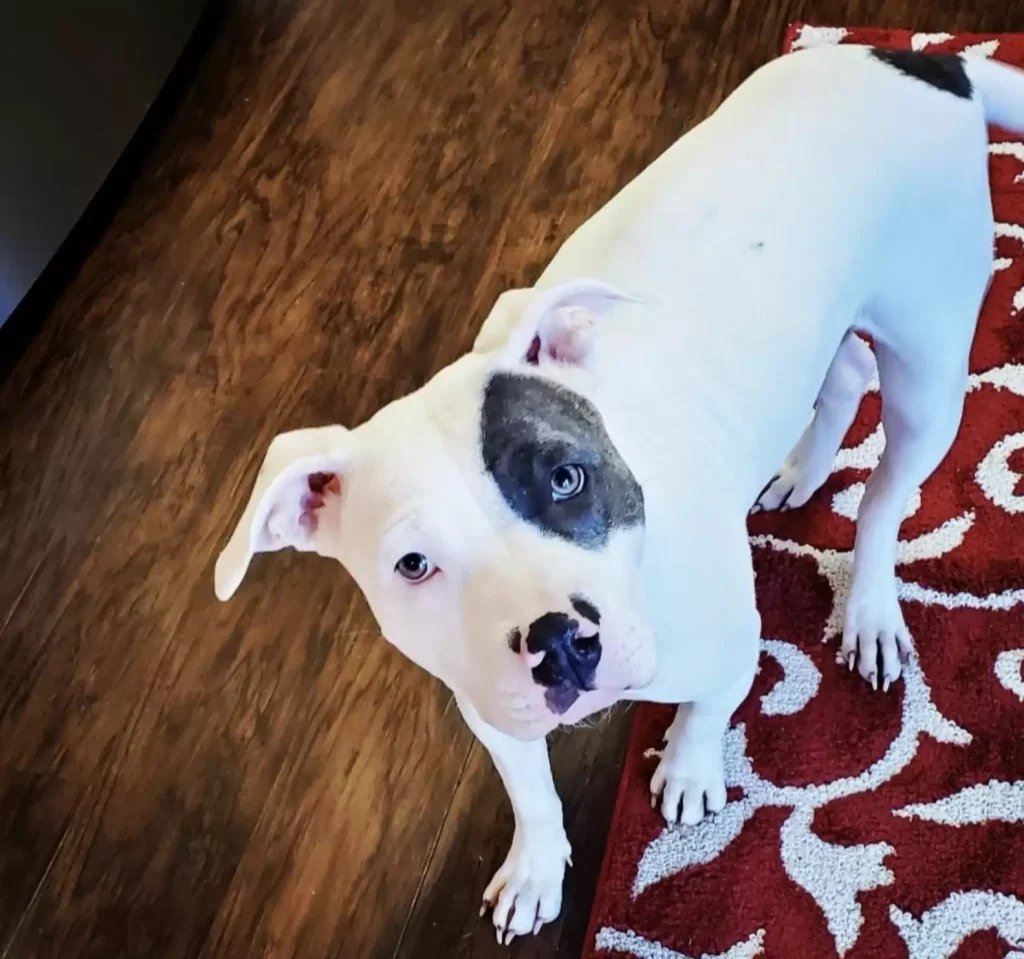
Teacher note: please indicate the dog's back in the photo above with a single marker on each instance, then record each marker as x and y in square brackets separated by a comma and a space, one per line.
[836, 188]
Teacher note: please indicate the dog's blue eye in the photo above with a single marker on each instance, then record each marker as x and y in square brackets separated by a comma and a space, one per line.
[567, 481]
[414, 567]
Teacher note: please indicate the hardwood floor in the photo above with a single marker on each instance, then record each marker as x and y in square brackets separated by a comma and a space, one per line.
[338, 198]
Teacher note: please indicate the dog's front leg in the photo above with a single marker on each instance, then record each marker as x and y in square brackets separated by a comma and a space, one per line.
[526, 891]
[691, 773]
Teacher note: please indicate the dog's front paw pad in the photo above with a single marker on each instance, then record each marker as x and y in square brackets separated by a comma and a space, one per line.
[526, 892]
[687, 781]
[875, 639]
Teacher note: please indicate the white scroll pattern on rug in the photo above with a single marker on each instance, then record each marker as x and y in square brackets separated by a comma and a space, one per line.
[1009, 670]
[941, 930]
[633, 945]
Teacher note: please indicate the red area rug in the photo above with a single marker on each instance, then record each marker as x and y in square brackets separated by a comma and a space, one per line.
[863, 824]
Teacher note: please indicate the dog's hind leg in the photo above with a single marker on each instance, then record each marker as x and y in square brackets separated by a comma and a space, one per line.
[813, 457]
[923, 382]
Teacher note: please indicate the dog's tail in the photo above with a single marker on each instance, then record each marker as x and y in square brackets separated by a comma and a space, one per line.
[1000, 88]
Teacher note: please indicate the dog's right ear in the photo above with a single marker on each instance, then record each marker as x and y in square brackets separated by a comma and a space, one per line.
[301, 472]
[554, 324]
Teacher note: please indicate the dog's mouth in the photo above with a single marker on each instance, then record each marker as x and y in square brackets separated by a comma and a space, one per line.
[560, 699]
[576, 707]
[587, 705]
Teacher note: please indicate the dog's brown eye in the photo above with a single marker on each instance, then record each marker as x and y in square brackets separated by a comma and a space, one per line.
[414, 567]
[567, 481]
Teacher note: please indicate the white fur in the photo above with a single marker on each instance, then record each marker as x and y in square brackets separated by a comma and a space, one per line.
[703, 310]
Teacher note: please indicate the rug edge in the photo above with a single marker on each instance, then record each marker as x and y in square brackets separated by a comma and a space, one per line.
[618, 811]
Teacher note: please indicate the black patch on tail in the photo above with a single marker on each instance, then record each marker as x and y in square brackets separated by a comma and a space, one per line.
[944, 71]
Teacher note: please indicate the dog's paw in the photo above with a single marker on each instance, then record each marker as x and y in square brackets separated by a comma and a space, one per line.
[794, 484]
[875, 638]
[526, 892]
[689, 778]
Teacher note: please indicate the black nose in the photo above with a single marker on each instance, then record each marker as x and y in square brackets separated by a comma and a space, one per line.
[570, 660]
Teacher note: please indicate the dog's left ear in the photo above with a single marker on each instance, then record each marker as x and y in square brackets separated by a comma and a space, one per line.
[553, 325]
[301, 472]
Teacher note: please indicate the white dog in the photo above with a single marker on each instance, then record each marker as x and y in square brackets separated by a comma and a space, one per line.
[557, 521]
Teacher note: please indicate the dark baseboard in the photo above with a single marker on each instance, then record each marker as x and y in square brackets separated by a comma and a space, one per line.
[21, 326]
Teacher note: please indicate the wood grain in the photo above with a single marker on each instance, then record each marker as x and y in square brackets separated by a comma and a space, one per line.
[338, 196]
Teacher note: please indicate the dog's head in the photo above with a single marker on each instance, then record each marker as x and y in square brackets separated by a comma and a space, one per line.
[488, 518]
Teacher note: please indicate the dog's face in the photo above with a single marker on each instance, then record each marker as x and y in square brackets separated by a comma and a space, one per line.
[488, 518]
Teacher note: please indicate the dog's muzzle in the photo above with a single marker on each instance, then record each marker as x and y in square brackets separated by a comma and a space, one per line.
[563, 654]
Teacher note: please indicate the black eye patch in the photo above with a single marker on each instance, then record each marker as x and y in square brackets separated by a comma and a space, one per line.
[528, 428]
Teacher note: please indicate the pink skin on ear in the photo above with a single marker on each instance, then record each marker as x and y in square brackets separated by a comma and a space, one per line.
[564, 337]
[320, 486]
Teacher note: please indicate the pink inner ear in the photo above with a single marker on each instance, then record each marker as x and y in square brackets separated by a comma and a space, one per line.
[570, 334]
[321, 485]
[533, 353]
[324, 482]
